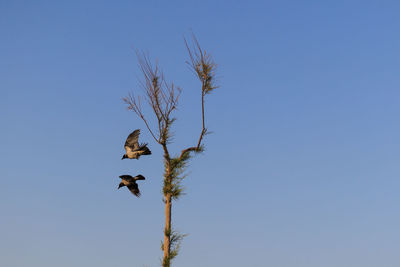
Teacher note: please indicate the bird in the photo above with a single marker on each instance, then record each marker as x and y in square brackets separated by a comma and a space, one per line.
[132, 147]
[130, 182]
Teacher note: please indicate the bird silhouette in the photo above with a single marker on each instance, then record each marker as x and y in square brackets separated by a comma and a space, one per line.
[132, 147]
[130, 182]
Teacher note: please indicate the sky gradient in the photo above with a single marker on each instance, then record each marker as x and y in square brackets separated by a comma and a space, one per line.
[302, 168]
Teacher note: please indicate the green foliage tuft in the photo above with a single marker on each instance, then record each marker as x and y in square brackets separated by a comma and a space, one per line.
[175, 241]
[175, 174]
[203, 65]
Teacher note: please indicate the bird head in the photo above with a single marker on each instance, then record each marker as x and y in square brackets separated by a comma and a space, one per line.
[124, 156]
[120, 185]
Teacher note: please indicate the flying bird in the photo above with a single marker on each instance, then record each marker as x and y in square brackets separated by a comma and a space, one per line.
[130, 182]
[132, 147]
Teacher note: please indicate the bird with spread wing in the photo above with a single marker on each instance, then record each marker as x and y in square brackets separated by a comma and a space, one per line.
[130, 182]
[132, 147]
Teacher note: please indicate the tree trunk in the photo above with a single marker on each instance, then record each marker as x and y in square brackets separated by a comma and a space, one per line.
[167, 231]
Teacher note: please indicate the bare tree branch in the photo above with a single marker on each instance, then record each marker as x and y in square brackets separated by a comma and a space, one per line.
[204, 67]
[135, 106]
[162, 97]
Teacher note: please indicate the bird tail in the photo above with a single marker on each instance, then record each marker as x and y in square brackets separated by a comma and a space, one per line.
[139, 177]
[146, 150]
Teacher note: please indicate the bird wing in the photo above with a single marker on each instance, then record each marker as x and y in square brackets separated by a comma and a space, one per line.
[139, 177]
[134, 188]
[133, 140]
[127, 178]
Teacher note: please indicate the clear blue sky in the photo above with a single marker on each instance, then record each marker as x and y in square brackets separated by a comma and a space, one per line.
[302, 168]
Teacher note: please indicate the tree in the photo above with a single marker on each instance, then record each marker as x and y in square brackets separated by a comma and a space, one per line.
[163, 98]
